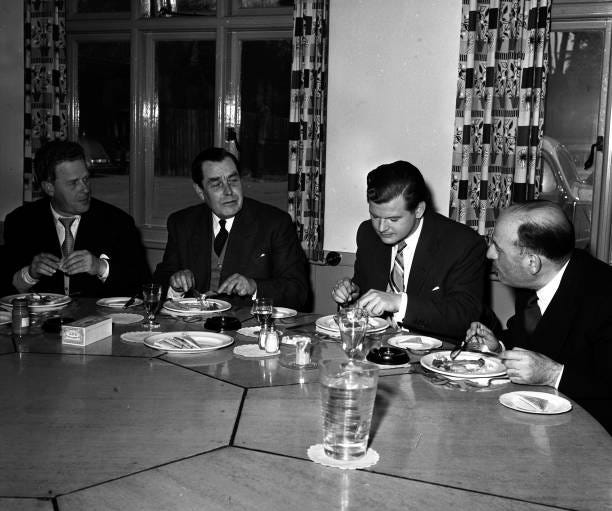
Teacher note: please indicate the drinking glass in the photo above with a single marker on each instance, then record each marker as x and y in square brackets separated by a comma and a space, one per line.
[353, 324]
[262, 310]
[151, 295]
[348, 391]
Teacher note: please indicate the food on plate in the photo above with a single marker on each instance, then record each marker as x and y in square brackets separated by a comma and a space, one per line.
[459, 366]
[36, 299]
[195, 305]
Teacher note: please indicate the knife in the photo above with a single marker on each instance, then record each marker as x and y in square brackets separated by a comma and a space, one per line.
[130, 301]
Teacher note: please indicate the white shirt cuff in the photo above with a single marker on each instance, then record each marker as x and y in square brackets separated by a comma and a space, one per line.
[106, 267]
[401, 313]
[172, 294]
[558, 381]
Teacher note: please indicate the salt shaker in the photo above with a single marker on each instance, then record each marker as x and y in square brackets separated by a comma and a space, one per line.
[20, 316]
[302, 352]
[272, 340]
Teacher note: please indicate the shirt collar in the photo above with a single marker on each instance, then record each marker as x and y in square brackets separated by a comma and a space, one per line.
[546, 293]
[412, 240]
[57, 216]
[228, 223]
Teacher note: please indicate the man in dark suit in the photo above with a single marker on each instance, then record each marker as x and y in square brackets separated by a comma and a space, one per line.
[561, 333]
[69, 242]
[425, 270]
[230, 244]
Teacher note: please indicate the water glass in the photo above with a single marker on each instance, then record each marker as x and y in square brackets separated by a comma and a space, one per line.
[348, 391]
[353, 324]
[262, 310]
[151, 295]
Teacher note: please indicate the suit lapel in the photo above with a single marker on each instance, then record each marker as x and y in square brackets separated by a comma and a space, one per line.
[425, 249]
[241, 239]
[201, 245]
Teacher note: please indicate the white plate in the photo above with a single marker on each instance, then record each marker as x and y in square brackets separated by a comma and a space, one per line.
[283, 312]
[125, 318]
[117, 302]
[5, 317]
[328, 323]
[535, 402]
[414, 342]
[492, 366]
[57, 301]
[191, 306]
[208, 341]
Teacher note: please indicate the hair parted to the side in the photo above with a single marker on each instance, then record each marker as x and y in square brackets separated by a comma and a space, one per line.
[399, 178]
[210, 154]
[49, 156]
[544, 229]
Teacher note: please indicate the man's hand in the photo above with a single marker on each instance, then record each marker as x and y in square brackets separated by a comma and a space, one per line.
[378, 302]
[182, 281]
[479, 335]
[43, 264]
[239, 285]
[529, 367]
[81, 261]
[345, 291]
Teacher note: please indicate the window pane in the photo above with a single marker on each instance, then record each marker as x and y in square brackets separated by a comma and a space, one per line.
[104, 117]
[185, 90]
[249, 4]
[103, 6]
[178, 7]
[264, 133]
[571, 123]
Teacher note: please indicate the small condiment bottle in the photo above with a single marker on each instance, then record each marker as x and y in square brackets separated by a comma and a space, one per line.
[302, 351]
[272, 339]
[20, 316]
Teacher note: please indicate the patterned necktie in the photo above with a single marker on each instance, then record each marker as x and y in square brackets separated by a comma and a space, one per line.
[68, 245]
[396, 277]
[532, 314]
[221, 238]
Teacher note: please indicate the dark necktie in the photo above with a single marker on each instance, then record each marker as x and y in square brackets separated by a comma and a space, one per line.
[396, 277]
[221, 238]
[68, 245]
[531, 313]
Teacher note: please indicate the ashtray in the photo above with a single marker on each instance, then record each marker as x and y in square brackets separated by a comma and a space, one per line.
[222, 323]
[388, 355]
[54, 325]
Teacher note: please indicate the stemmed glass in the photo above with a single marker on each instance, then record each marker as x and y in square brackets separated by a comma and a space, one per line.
[353, 324]
[262, 310]
[151, 294]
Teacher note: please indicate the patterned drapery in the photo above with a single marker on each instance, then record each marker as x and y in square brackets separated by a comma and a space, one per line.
[307, 123]
[46, 108]
[500, 108]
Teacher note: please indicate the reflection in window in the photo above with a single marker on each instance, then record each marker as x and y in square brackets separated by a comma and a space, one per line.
[179, 7]
[250, 4]
[185, 91]
[91, 6]
[104, 117]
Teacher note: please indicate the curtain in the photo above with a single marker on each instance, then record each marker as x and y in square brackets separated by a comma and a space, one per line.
[307, 123]
[46, 108]
[500, 108]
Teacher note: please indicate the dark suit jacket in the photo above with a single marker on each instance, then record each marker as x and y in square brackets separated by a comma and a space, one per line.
[262, 245]
[449, 256]
[104, 229]
[576, 330]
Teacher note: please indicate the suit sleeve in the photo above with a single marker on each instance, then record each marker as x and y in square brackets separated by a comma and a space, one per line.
[449, 310]
[288, 284]
[171, 261]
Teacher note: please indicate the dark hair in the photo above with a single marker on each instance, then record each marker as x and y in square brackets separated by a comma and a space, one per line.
[210, 154]
[391, 180]
[545, 229]
[49, 156]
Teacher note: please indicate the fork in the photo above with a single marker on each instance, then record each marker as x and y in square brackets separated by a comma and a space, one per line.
[459, 349]
[199, 297]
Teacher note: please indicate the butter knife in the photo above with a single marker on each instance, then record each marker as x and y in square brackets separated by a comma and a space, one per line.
[130, 301]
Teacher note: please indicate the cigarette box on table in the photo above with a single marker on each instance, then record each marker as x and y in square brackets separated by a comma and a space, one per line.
[86, 330]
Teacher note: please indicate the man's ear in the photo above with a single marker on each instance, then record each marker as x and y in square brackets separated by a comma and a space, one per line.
[48, 188]
[420, 209]
[534, 263]
[199, 191]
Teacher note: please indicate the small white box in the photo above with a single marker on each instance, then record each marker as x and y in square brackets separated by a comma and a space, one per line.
[86, 330]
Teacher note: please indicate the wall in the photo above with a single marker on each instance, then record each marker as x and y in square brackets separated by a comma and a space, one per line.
[11, 106]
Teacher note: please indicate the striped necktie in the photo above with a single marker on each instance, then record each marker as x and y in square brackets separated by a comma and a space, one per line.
[67, 246]
[396, 276]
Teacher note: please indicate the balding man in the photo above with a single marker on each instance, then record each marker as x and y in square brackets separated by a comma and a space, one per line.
[561, 333]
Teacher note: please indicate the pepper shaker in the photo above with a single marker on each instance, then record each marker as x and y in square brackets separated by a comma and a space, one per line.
[20, 316]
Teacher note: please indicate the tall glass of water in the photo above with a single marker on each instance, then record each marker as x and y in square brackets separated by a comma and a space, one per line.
[348, 391]
[151, 295]
[353, 324]
[262, 309]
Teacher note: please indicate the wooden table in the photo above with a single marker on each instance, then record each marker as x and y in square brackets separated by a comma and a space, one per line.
[117, 425]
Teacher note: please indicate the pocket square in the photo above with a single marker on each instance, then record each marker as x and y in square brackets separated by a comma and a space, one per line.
[263, 254]
[437, 288]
